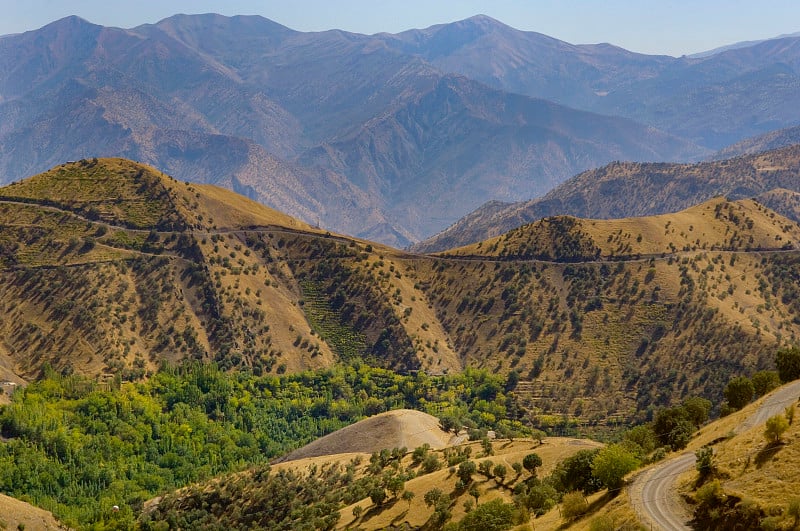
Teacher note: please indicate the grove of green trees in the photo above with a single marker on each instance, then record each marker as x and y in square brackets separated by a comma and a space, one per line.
[78, 448]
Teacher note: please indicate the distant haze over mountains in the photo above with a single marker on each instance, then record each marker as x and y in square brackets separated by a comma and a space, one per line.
[621, 190]
[389, 137]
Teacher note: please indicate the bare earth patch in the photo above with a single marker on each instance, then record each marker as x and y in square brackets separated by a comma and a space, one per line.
[393, 429]
[16, 514]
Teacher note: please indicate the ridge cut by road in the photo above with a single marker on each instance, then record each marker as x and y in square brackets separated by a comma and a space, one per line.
[652, 492]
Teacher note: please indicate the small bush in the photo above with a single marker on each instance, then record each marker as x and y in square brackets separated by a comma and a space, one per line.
[573, 505]
[602, 523]
[775, 428]
[705, 461]
[710, 494]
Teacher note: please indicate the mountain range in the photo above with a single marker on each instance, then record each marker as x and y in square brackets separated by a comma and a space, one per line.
[390, 137]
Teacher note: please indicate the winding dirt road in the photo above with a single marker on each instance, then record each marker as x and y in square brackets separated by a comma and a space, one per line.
[653, 493]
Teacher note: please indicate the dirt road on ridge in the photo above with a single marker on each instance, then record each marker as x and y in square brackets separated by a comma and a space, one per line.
[653, 493]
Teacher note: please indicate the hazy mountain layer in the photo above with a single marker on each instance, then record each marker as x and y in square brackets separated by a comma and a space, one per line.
[362, 134]
[630, 189]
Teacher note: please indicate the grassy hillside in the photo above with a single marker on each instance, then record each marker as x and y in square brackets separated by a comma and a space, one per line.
[349, 479]
[716, 225]
[110, 268]
[115, 271]
[16, 514]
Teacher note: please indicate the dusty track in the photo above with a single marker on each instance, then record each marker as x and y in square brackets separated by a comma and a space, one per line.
[653, 493]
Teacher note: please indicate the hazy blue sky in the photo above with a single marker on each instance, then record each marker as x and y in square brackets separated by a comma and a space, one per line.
[671, 27]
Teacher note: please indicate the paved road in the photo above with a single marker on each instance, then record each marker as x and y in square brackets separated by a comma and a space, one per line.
[652, 492]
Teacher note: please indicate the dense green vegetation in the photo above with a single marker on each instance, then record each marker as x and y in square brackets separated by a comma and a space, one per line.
[78, 448]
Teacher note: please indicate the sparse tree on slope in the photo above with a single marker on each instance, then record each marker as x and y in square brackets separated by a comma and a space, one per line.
[788, 362]
[611, 465]
[739, 392]
[775, 428]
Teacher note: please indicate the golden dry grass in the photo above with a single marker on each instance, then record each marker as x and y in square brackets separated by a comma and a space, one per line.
[16, 514]
[552, 451]
[752, 469]
[399, 428]
[747, 468]
[717, 224]
[231, 210]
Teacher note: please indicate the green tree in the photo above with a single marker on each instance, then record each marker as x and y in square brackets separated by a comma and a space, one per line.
[430, 463]
[697, 409]
[512, 380]
[490, 516]
[408, 496]
[788, 363]
[500, 472]
[739, 392]
[465, 471]
[643, 437]
[357, 512]
[441, 513]
[765, 381]
[377, 495]
[449, 423]
[419, 453]
[538, 435]
[541, 498]
[775, 428]
[612, 463]
[673, 427]
[395, 484]
[488, 449]
[433, 496]
[575, 473]
[531, 462]
[485, 468]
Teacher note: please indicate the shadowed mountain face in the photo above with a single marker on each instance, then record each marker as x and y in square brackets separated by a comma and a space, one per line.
[368, 135]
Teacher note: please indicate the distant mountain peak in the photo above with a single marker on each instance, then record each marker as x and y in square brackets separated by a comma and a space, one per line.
[252, 22]
[69, 23]
[482, 20]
